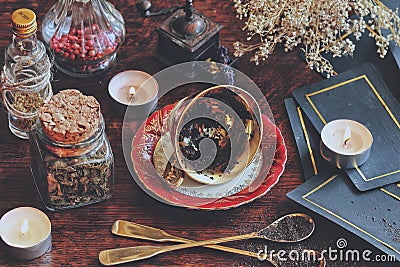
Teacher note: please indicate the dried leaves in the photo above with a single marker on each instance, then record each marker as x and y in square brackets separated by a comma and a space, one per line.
[79, 181]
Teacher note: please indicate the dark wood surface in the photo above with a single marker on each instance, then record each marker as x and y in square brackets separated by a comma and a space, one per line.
[80, 234]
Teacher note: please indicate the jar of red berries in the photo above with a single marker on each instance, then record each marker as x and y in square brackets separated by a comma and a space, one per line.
[84, 35]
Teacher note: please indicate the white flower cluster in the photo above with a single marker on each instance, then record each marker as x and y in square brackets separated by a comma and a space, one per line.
[317, 25]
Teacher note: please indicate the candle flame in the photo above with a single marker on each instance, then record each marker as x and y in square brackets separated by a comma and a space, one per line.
[347, 135]
[24, 226]
[132, 92]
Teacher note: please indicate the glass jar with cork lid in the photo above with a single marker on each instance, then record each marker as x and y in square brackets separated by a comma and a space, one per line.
[71, 158]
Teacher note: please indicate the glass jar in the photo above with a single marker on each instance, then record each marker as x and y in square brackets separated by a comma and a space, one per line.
[84, 35]
[72, 175]
[27, 74]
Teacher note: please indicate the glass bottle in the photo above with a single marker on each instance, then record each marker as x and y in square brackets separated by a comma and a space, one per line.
[72, 175]
[84, 35]
[26, 74]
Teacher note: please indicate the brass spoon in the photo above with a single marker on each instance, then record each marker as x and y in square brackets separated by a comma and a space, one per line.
[285, 225]
[135, 230]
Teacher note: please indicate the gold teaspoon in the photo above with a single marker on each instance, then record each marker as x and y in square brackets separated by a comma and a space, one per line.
[134, 230]
[282, 230]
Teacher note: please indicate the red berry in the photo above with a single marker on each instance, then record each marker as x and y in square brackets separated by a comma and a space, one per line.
[89, 42]
[72, 38]
[75, 46]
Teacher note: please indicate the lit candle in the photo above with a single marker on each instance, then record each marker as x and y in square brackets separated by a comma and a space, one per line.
[135, 93]
[26, 233]
[346, 143]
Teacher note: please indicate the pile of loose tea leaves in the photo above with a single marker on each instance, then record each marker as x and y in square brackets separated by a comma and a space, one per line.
[289, 228]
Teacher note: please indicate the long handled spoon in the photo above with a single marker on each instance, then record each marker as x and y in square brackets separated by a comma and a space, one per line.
[282, 230]
[135, 230]
[138, 231]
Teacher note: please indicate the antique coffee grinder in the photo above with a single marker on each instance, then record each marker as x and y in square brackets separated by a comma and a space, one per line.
[185, 36]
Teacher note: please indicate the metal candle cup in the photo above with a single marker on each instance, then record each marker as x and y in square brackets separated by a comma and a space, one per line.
[145, 99]
[345, 143]
[25, 233]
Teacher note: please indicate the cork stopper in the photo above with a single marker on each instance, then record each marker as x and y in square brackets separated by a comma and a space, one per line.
[23, 22]
[70, 117]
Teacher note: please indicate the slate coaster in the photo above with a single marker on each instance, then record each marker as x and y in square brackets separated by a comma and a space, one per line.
[307, 141]
[372, 215]
[360, 95]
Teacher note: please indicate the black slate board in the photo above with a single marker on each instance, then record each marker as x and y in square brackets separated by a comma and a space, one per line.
[366, 199]
[307, 141]
[360, 95]
[372, 215]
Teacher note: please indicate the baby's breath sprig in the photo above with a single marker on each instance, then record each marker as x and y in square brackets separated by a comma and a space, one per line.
[316, 25]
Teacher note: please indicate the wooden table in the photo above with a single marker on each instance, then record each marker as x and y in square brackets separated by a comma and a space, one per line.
[80, 234]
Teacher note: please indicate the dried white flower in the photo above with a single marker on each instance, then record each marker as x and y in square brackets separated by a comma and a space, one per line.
[317, 25]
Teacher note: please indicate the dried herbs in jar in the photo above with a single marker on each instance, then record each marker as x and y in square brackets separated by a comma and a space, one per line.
[71, 167]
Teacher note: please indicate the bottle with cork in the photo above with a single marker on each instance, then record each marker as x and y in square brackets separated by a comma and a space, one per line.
[26, 76]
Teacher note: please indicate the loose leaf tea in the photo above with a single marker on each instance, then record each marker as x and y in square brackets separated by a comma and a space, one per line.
[23, 124]
[23, 103]
[289, 228]
[222, 117]
[85, 181]
[26, 102]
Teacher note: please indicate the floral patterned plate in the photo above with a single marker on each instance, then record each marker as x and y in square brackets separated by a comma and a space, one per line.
[190, 187]
[274, 155]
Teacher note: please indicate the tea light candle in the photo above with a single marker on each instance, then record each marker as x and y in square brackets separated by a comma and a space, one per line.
[346, 143]
[26, 233]
[134, 89]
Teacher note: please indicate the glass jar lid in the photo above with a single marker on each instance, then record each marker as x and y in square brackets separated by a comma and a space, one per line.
[23, 22]
[78, 149]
